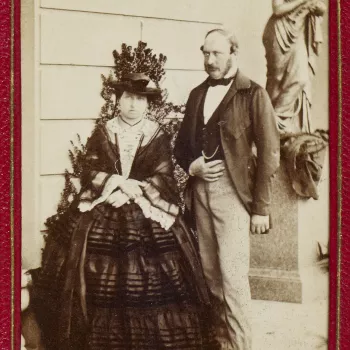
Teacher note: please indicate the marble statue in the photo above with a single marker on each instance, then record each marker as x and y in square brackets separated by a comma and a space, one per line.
[292, 38]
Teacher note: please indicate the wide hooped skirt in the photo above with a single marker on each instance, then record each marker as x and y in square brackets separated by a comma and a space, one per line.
[132, 287]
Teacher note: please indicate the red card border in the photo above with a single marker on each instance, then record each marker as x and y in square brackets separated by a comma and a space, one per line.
[335, 181]
[339, 101]
[10, 174]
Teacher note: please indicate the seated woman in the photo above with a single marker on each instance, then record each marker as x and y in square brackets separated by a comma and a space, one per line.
[120, 269]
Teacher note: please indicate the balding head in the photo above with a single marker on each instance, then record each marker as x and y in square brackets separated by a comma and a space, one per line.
[219, 50]
[229, 36]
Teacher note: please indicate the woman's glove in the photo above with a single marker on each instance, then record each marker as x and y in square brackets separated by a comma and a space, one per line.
[128, 189]
[111, 184]
[132, 188]
[117, 199]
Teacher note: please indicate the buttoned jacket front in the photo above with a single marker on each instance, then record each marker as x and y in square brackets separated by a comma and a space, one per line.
[247, 123]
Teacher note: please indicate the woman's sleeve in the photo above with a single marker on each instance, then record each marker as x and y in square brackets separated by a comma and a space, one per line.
[161, 189]
[95, 174]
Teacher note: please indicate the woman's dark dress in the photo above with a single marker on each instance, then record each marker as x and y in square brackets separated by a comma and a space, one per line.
[112, 278]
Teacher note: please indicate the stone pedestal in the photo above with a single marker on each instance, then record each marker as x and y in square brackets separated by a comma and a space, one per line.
[283, 261]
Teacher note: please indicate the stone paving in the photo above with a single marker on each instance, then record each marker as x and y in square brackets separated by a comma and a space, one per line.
[288, 326]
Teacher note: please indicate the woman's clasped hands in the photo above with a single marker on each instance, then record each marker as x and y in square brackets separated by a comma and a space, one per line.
[127, 190]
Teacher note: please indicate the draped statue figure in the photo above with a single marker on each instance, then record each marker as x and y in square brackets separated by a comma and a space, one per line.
[291, 38]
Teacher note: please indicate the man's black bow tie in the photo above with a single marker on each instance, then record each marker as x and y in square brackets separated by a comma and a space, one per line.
[222, 81]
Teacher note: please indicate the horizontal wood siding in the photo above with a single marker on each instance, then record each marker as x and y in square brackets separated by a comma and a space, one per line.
[76, 43]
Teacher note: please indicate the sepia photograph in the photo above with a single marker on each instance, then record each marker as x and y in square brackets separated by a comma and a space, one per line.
[175, 175]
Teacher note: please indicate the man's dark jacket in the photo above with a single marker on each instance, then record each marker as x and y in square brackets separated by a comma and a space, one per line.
[247, 118]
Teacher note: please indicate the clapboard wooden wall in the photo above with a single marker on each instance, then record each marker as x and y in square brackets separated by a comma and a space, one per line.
[67, 45]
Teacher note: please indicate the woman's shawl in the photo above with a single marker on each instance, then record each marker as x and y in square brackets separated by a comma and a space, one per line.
[152, 164]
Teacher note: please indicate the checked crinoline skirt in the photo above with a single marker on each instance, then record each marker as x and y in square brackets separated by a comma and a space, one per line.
[138, 287]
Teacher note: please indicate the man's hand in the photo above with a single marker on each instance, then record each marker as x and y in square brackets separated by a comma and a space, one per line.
[210, 171]
[259, 224]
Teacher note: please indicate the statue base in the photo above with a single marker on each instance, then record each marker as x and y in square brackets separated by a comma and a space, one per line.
[283, 262]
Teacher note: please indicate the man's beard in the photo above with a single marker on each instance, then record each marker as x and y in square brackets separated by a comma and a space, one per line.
[227, 68]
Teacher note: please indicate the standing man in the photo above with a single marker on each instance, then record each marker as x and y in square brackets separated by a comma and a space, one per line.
[230, 187]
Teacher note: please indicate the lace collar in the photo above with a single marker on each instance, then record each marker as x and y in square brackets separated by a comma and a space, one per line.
[147, 127]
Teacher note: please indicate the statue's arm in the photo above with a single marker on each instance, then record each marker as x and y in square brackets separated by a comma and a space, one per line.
[281, 7]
